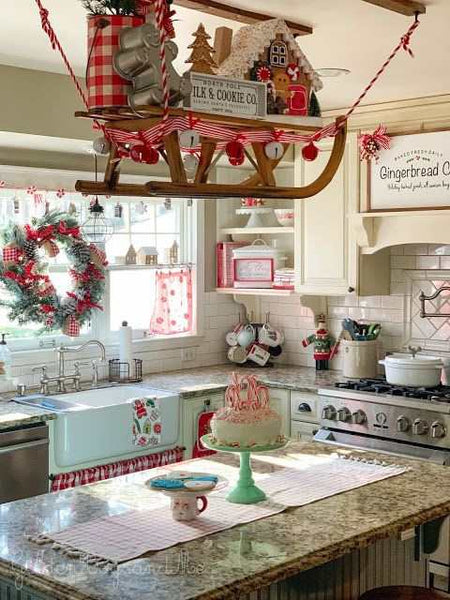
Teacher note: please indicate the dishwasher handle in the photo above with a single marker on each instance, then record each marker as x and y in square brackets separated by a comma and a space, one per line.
[23, 446]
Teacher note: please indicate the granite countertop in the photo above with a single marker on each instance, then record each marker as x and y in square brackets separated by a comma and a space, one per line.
[15, 415]
[195, 382]
[226, 564]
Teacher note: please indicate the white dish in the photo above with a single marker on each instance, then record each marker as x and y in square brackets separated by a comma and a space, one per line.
[412, 371]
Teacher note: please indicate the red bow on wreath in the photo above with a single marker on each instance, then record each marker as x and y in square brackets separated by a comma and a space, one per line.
[64, 230]
[39, 235]
[85, 303]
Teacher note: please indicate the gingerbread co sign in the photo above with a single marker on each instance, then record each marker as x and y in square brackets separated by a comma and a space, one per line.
[413, 174]
[209, 93]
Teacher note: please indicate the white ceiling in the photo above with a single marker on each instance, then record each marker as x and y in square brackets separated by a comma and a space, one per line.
[347, 33]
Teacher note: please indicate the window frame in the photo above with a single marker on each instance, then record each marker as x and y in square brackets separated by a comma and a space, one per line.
[53, 179]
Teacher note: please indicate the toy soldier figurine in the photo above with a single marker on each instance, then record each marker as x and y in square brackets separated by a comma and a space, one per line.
[323, 343]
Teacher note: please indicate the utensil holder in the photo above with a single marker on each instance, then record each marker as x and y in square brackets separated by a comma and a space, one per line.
[125, 372]
[360, 359]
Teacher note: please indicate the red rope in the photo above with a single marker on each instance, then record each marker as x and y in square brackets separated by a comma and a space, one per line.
[48, 29]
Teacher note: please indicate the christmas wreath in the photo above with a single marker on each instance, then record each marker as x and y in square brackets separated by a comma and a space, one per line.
[24, 273]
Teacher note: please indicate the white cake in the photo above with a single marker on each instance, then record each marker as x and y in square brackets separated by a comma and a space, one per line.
[247, 419]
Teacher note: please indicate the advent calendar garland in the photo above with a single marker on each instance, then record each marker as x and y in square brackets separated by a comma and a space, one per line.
[24, 274]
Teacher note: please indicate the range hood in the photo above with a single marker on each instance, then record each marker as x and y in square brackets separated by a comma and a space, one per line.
[375, 231]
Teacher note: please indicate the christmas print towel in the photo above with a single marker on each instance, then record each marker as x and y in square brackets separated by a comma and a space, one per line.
[147, 426]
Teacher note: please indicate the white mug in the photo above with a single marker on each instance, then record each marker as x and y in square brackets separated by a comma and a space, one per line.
[237, 354]
[232, 336]
[270, 336]
[185, 506]
[246, 336]
[259, 355]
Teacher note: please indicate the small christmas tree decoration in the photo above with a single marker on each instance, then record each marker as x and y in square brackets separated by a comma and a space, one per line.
[189, 138]
[201, 57]
[101, 146]
[273, 150]
[310, 152]
[235, 153]
[314, 109]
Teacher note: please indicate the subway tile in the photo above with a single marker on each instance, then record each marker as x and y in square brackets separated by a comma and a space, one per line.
[397, 250]
[403, 262]
[445, 262]
[370, 301]
[398, 275]
[439, 249]
[392, 302]
[427, 262]
[416, 249]
[399, 288]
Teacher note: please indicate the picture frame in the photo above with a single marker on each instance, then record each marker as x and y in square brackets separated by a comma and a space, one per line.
[413, 175]
[253, 272]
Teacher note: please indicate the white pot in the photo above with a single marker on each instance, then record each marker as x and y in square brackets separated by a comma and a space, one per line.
[417, 371]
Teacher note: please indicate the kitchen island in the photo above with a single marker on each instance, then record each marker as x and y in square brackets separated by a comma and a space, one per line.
[235, 562]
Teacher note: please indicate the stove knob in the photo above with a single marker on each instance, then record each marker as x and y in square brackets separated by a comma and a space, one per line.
[343, 414]
[437, 430]
[329, 412]
[403, 424]
[359, 417]
[420, 427]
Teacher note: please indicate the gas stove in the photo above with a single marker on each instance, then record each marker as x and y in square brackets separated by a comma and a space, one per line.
[440, 393]
[372, 413]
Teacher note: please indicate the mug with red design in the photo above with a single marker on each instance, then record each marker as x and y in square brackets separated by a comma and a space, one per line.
[185, 506]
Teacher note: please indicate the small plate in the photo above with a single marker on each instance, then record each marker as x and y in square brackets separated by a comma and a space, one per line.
[194, 487]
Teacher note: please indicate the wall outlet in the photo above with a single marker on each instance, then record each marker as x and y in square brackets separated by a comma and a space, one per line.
[188, 354]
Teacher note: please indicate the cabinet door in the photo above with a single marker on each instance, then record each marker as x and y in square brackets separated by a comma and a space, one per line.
[325, 256]
[303, 432]
[304, 406]
[280, 400]
[192, 407]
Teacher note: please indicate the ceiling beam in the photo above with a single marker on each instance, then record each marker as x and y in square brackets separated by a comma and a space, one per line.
[404, 7]
[219, 9]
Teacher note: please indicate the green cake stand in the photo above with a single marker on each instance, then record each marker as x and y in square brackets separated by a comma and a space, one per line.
[245, 490]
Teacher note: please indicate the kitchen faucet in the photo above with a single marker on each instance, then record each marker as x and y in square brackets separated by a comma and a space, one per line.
[61, 378]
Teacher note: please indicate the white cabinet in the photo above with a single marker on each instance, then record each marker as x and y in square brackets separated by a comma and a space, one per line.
[192, 408]
[280, 401]
[327, 257]
[303, 432]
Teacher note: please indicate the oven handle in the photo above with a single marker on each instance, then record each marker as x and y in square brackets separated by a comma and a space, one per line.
[358, 443]
[24, 446]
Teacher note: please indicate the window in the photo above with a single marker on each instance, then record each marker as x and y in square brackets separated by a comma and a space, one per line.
[278, 54]
[152, 224]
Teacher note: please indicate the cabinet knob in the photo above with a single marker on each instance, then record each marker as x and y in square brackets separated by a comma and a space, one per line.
[350, 289]
[304, 407]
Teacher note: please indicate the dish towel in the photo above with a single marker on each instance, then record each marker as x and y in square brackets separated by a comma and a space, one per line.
[108, 541]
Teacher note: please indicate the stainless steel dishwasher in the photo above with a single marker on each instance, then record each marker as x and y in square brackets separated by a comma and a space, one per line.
[23, 462]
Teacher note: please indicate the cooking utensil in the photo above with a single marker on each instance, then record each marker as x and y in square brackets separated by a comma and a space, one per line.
[412, 370]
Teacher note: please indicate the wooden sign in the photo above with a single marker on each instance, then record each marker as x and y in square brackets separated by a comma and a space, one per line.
[414, 174]
[219, 95]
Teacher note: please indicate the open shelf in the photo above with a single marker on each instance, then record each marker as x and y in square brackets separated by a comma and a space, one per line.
[256, 230]
[255, 291]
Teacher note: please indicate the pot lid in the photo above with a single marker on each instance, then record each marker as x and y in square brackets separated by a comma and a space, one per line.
[408, 361]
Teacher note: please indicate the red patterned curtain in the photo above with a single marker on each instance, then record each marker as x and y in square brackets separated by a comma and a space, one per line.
[64, 481]
[173, 307]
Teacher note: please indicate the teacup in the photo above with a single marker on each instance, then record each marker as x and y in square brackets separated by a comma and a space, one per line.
[185, 506]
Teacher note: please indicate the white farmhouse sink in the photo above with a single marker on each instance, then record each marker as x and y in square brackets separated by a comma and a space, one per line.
[96, 425]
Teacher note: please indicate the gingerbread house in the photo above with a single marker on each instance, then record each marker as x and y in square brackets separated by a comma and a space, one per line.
[268, 52]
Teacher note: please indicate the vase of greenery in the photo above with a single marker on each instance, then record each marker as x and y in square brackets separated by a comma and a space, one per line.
[106, 19]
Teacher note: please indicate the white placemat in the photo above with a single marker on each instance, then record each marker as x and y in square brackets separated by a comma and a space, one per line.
[111, 540]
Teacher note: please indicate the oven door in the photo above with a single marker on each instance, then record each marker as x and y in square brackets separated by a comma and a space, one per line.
[369, 443]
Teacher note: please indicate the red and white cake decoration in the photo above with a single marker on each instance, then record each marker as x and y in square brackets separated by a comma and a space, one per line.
[246, 420]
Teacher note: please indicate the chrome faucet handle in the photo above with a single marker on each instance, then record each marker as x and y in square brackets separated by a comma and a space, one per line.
[42, 368]
[44, 378]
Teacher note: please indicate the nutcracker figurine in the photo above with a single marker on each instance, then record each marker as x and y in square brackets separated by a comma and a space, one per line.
[323, 344]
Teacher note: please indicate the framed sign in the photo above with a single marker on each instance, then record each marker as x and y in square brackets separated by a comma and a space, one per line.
[414, 174]
[253, 272]
[219, 95]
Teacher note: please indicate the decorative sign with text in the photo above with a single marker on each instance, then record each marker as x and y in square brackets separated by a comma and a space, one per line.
[236, 97]
[413, 174]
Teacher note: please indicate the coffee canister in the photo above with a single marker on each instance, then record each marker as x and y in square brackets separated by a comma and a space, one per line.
[360, 358]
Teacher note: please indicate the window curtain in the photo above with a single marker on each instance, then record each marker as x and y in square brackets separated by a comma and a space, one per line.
[65, 481]
[172, 312]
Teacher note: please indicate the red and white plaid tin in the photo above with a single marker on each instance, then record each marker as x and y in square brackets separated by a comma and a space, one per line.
[105, 87]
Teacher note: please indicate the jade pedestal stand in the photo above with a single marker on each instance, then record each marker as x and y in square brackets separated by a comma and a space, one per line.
[245, 490]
